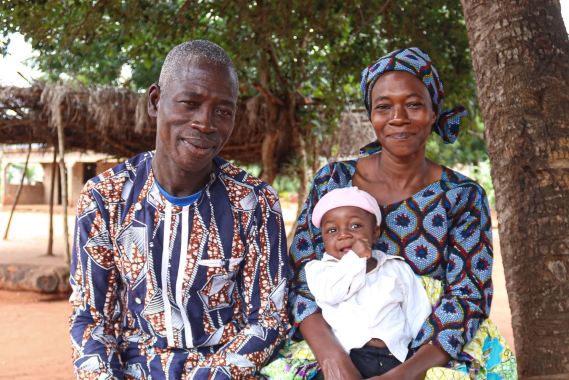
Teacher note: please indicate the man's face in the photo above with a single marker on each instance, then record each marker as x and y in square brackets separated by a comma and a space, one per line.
[195, 115]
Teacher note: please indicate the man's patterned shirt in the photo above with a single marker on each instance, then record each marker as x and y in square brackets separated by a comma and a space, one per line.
[168, 292]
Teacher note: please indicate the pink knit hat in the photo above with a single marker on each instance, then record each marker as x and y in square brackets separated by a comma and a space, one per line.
[347, 196]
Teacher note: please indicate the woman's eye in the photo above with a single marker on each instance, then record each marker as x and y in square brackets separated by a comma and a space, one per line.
[382, 107]
[415, 105]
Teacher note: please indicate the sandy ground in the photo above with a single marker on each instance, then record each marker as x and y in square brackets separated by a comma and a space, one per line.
[34, 341]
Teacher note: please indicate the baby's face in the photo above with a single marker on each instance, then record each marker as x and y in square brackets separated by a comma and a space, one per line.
[343, 226]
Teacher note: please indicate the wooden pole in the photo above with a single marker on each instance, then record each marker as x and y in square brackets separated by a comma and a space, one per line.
[51, 201]
[63, 178]
[18, 192]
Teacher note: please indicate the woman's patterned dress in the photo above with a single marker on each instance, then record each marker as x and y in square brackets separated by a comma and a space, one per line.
[443, 231]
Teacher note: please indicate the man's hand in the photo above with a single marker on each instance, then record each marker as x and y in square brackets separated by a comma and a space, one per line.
[362, 248]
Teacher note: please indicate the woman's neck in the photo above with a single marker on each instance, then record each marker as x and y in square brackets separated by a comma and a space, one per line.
[410, 172]
[391, 179]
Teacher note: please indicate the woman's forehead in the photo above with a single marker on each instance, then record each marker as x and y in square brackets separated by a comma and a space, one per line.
[399, 82]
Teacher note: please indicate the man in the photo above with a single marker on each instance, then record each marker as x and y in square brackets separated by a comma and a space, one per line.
[179, 264]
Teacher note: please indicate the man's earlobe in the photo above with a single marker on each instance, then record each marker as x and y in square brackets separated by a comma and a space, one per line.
[153, 99]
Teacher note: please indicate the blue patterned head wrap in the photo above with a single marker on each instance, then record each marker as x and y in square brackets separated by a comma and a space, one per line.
[415, 61]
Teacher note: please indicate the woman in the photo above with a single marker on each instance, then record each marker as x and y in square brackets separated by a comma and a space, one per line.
[436, 219]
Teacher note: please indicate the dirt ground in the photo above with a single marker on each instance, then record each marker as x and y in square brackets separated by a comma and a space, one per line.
[34, 341]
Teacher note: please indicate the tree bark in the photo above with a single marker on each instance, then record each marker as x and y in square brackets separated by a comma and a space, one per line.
[268, 155]
[18, 192]
[520, 53]
[273, 131]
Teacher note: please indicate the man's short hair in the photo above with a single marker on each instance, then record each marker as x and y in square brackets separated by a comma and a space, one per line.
[202, 51]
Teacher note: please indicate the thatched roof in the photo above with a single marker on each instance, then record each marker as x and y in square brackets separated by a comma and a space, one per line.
[109, 120]
[115, 121]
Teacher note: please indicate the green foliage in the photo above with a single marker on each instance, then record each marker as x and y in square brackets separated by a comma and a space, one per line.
[481, 173]
[34, 174]
[469, 148]
[314, 49]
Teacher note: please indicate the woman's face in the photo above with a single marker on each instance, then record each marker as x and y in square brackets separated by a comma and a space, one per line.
[402, 113]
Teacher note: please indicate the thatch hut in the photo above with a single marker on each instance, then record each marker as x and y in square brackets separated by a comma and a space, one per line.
[109, 120]
[115, 121]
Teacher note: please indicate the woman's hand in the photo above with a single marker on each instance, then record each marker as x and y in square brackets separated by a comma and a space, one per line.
[335, 362]
[339, 369]
[416, 367]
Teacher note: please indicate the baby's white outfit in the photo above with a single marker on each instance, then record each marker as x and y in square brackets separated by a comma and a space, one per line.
[388, 303]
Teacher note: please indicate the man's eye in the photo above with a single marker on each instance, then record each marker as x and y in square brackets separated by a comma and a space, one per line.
[223, 112]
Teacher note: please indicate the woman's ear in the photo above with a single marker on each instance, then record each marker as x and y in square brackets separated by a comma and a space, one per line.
[376, 233]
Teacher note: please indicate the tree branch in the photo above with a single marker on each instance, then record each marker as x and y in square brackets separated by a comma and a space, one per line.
[267, 94]
[381, 10]
[86, 18]
[276, 67]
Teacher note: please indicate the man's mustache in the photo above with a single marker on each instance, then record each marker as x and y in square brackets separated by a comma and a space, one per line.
[197, 135]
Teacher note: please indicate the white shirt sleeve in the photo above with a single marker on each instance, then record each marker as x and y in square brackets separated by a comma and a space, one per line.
[416, 306]
[332, 282]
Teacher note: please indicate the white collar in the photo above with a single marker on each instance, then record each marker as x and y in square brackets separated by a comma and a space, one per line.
[380, 256]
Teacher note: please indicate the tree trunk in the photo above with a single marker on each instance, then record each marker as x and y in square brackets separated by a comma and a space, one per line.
[63, 178]
[18, 192]
[268, 156]
[520, 53]
[273, 128]
[51, 201]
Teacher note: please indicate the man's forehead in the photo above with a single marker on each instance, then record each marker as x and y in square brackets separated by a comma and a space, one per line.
[195, 74]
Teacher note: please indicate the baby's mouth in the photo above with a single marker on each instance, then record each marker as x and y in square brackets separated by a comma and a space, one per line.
[345, 250]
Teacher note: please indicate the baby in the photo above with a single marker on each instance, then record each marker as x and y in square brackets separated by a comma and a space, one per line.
[373, 301]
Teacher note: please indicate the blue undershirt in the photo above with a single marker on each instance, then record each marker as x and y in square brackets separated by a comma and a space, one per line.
[177, 201]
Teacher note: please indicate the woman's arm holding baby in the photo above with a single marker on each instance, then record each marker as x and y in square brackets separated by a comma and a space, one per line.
[416, 367]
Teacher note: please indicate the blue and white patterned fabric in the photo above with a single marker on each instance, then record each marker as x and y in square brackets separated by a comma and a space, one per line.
[162, 291]
[444, 232]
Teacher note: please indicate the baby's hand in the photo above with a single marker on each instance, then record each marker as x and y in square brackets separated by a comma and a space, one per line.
[362, 248]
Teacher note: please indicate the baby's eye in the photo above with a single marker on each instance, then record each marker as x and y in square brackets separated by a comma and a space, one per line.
[331, 230]
[355, 225]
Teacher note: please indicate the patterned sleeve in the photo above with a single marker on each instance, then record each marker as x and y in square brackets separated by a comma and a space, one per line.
[95, 280]
[263, 286]
[307, 245]
[465, 303]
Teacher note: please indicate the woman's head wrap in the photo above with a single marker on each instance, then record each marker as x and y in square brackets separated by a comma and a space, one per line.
[415, 61]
